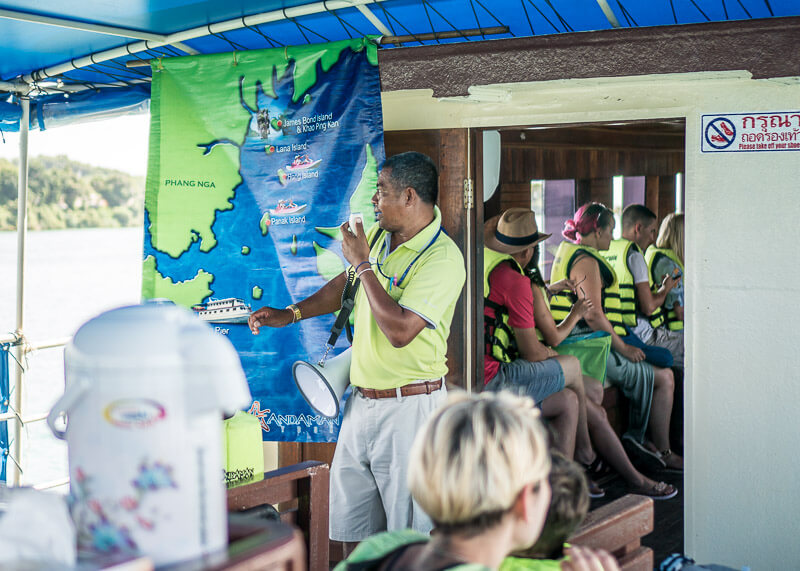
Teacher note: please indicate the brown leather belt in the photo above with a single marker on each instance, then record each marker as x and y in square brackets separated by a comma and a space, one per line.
[423, 388]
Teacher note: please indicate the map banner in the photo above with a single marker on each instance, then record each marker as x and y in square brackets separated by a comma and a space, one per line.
[255, 160]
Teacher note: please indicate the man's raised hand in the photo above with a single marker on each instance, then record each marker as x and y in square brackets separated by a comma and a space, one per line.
[269, 317]
[354, 243]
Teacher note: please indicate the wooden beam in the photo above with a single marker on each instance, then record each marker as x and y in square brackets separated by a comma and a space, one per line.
[450, 69]
[651, 192]
[452, 172]
[652, 137]
[666, 196]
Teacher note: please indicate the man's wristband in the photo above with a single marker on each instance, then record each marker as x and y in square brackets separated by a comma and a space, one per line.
[359, 274]
[296, 315]
[361, 264]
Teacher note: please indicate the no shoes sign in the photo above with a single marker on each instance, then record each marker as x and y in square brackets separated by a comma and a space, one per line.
[747, 132]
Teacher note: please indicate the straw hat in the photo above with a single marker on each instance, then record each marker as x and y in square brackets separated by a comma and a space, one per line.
[512, 231]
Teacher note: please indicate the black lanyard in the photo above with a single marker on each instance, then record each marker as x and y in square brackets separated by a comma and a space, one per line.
[393, 281]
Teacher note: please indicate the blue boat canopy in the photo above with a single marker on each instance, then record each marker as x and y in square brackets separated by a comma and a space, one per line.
[85, 58]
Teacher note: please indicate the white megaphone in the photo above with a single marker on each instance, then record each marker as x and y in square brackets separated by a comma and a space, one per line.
[323, 384]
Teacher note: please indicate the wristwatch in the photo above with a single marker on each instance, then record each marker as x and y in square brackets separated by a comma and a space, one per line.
[296, 315]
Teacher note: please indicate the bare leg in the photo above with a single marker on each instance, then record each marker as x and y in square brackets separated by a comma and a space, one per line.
[594, 389]
[661, 412]
[561, 410]
[573, 380]
[610, 448]
[348, 547]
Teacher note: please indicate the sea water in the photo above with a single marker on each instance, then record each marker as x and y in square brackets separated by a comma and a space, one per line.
[70, 276]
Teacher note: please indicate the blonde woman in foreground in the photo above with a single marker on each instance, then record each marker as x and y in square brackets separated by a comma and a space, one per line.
[479, 469]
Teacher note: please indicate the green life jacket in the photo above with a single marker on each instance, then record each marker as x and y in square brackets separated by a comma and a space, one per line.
[498, 337]
[371, 553]
[522, 564]
[617, 256]
[561, 303]
[652, 256]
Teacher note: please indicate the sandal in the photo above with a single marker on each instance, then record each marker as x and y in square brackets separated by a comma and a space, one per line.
[658, 491]
[641, 456]
[671, 460]
[598, 469]
[595, 491]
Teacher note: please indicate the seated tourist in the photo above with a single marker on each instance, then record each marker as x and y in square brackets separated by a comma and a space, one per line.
[649, 389]
[665, 260]
[639, 302]
[514, 358]
[569, 504]
[479, 469]
[603, 437]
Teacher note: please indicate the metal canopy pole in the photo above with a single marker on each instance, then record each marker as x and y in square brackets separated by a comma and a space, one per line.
[468, 249]
[12, 470]
[609, 13]
[205, 30]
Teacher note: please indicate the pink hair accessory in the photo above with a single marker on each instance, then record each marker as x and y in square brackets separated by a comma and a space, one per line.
[570, 231]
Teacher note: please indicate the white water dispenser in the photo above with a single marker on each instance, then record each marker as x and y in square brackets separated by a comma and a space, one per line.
[146, 387]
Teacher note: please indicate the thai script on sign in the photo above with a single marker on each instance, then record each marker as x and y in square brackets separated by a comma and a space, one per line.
[771, 131]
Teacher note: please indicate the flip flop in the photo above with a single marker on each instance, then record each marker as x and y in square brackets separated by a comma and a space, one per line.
[670, 460]
[658, 491]
[595, 491]
[641, 456]
[598, 469]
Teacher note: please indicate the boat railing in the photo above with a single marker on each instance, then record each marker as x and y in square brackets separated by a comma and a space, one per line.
[17, 416]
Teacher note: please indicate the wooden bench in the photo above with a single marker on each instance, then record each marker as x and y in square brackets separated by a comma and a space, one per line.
[618, 527]
[300, 494]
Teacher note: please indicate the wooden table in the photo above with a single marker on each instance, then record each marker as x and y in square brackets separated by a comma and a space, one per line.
[252, 544]
[300, 493]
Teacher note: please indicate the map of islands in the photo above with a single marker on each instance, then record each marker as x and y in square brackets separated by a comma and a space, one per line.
[186, 293]
[224, 129]
[198, 166]
[192, 175]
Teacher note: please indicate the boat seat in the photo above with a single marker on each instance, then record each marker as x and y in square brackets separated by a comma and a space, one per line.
[618, 527]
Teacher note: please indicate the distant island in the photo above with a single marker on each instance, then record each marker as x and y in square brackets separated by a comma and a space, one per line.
[67, 194]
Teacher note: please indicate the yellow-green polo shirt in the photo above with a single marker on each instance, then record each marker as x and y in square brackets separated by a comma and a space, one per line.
[430, 289]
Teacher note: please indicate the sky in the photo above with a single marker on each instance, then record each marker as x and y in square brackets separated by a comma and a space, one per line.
[119, 143]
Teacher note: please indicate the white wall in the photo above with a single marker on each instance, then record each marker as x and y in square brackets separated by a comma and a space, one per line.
[742, 489]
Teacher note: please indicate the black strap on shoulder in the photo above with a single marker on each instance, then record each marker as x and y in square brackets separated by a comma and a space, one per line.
[348, 302]
[490, 327]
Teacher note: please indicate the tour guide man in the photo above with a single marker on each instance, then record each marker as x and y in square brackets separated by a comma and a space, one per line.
[411, 279]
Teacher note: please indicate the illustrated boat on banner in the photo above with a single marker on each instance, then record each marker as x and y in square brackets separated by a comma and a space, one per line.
[303, 164]
[228, 310]
[285, 208]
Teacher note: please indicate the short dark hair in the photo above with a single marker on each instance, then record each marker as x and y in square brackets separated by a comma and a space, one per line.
[636, 213]
[417, 171]
[569, 504]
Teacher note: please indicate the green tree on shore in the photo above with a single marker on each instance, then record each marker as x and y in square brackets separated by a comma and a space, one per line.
[67, 194]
